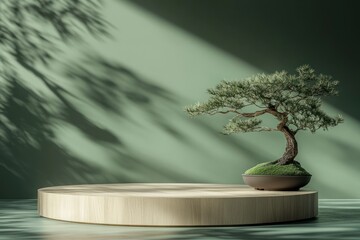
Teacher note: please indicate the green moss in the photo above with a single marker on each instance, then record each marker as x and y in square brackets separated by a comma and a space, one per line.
[272, 168]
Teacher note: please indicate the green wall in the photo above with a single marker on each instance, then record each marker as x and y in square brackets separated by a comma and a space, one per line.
[127, 92]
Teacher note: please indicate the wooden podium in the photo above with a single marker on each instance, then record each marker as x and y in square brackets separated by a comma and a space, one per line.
[175, 204]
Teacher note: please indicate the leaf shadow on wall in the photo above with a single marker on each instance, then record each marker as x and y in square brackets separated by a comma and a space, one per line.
[32, 156]
[115, 88]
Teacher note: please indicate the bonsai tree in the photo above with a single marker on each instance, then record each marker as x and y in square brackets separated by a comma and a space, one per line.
[293, 99]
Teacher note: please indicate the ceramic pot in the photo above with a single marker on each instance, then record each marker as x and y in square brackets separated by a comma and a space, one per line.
[276, 183]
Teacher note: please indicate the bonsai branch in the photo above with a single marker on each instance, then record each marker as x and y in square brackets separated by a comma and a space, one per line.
[240, 114]
[254, 114]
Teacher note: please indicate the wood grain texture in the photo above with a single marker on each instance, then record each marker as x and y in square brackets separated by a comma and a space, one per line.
[146, 204]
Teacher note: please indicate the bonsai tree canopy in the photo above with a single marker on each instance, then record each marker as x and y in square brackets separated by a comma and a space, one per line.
[293, 99]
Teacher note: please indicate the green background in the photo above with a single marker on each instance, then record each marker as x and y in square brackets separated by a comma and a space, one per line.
[130, 91]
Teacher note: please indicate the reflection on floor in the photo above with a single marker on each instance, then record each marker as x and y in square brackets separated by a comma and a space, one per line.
[338, 219]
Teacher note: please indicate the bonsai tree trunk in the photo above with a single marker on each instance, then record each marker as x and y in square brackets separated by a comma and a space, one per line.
[291, 149]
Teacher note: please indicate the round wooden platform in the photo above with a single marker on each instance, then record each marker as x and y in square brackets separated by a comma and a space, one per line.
[158, 204]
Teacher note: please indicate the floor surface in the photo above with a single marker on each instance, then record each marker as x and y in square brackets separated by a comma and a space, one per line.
[338, 219]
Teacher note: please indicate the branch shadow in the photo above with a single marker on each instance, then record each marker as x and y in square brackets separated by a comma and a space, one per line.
[115, 88]
[31, 156]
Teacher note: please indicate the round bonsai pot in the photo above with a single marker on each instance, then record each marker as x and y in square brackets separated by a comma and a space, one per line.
[276, 183]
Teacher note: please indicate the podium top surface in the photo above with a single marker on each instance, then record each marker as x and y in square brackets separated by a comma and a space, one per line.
[169, 190]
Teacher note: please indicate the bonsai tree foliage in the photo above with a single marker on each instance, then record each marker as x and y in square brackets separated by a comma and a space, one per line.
[293, 99]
